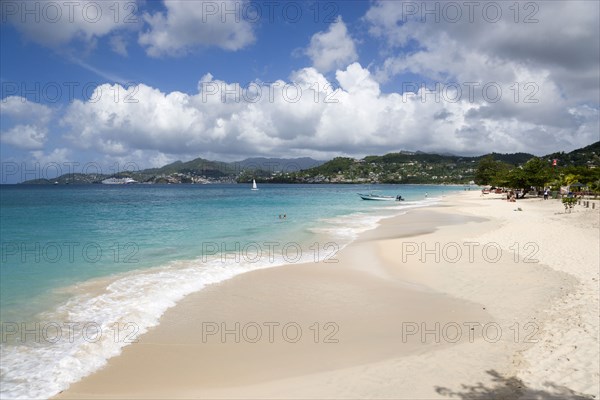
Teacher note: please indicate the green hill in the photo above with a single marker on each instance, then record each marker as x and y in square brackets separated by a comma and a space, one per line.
[588, 155]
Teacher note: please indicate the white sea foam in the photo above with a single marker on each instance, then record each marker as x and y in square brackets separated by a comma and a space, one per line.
[133, 302]
[346, 228]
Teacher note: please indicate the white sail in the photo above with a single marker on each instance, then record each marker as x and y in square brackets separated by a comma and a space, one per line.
[254, 185]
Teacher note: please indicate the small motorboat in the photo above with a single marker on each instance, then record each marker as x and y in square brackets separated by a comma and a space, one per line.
[378, 197]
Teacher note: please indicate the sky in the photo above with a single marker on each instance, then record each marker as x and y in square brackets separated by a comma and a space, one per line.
[118, 85]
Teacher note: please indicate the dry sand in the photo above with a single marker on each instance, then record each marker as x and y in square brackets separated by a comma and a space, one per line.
[396, 317]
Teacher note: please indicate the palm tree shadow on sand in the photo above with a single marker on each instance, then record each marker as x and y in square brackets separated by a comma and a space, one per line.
[510, 388]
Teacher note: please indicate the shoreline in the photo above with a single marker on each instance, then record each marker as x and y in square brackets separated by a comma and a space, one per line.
[376, 301]
[124, 305]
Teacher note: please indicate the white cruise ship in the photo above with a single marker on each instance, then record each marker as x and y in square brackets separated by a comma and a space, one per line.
[118, 181]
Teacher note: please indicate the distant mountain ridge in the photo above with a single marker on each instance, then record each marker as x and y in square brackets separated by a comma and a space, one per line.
[400, 167]
[198, 170]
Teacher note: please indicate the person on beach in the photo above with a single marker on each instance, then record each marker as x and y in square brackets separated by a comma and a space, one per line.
[546, 194]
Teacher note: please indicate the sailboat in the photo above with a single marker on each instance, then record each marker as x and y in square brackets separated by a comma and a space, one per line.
[254, 184]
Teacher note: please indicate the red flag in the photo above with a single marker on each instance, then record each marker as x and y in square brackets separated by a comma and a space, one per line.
[554, 162]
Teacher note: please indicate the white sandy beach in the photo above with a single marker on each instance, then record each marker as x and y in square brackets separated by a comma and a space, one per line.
[397, 317]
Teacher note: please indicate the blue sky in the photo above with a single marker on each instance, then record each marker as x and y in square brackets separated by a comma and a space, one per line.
[279, 38]
[142, 82]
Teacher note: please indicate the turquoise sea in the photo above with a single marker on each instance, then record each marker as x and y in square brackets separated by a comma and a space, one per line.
[86, 269]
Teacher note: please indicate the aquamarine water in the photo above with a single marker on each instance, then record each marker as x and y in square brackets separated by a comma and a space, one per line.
[106, 255]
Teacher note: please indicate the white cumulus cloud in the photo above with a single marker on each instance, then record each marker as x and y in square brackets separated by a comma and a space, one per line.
[28, 123]
[187, 25]
[332, 49]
